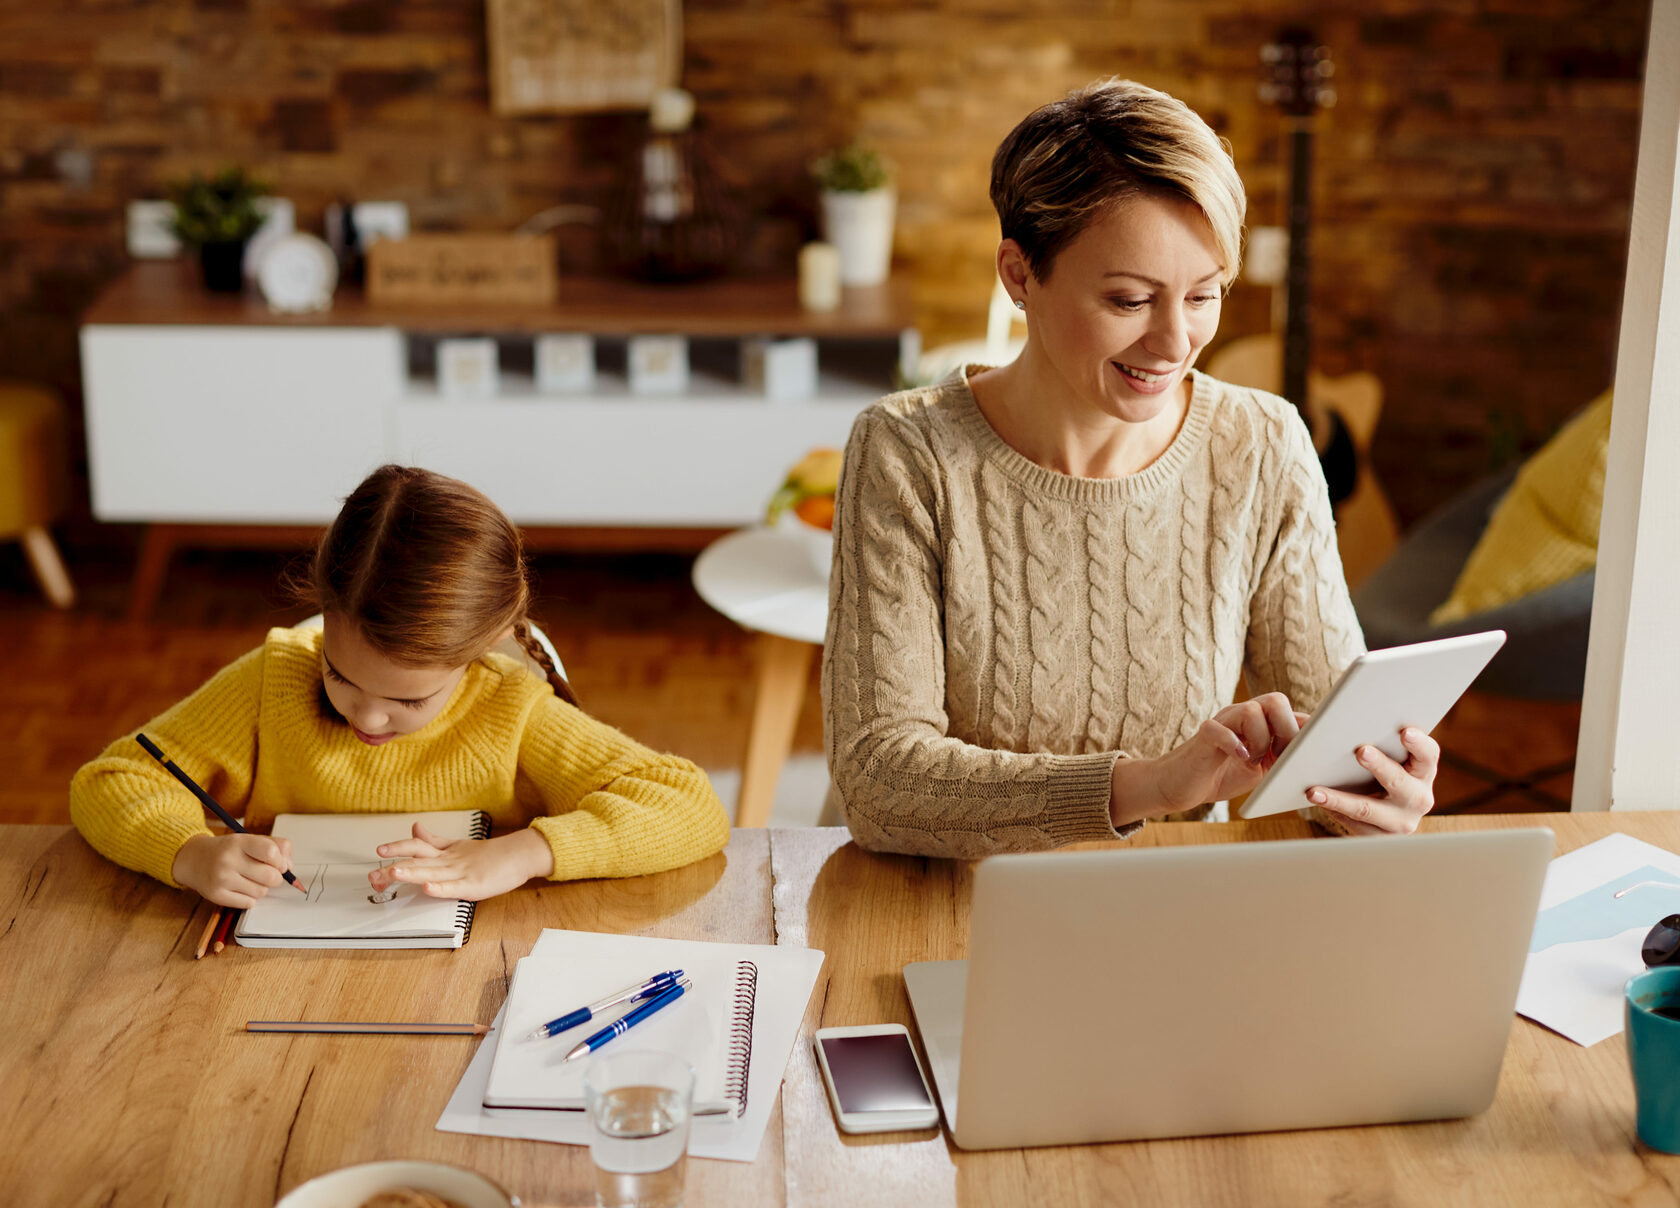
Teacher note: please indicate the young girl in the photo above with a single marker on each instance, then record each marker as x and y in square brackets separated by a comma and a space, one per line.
[397, 704]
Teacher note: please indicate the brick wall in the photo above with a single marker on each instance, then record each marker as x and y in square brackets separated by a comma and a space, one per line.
[1472, 191]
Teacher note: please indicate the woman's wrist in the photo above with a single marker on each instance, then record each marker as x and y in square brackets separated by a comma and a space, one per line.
[1134, 791]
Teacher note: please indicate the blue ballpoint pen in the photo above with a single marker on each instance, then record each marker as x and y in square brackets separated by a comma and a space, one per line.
[624, 1023]
[651, 988]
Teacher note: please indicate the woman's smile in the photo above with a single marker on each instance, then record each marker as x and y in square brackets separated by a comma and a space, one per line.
[1145, 381]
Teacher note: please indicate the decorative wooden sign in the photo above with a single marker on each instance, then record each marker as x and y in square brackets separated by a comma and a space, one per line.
[448, 269]
[560, 56]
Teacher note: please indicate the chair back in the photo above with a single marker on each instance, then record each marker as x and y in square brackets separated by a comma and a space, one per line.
[1001, 345]
[509, 647]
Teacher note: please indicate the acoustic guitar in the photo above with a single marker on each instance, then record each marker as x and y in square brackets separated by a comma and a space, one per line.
[1297, 72]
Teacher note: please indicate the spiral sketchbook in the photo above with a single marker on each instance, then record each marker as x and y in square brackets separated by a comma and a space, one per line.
[332, 855]
[710, 1026]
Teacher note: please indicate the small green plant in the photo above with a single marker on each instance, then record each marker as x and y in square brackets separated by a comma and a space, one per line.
[217, 209]
[853, 169]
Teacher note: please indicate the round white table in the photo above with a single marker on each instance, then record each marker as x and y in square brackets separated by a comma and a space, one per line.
[773, 581]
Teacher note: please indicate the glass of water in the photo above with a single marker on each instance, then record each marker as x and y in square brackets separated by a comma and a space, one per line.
[639, 1104]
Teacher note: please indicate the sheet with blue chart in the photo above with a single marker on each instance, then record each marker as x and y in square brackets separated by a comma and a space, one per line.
[1586, 941]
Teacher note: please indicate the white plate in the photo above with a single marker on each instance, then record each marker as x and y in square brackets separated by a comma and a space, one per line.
[350, 1187]
[298, 274]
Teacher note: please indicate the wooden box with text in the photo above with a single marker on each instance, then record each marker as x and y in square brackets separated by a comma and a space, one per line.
[432, 270]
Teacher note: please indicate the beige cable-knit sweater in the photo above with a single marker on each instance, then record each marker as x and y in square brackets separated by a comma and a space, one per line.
[999, 633]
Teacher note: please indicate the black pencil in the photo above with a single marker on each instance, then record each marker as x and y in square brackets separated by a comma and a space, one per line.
[170, 766]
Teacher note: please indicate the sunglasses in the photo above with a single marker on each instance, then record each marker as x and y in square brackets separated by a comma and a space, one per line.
[1662, 942]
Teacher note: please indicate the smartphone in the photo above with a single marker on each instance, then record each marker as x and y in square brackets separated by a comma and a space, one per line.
[875, 1083]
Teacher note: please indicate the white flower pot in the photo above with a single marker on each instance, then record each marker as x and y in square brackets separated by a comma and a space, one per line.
[860, 226]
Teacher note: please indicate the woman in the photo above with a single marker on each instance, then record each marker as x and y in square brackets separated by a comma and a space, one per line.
[1050, 577]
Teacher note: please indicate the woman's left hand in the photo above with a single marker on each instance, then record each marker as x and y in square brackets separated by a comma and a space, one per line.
[470, 869]
[1408, 789]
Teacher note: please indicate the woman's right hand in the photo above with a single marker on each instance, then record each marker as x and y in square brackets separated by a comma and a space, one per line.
[1226, 756]
[232, 870]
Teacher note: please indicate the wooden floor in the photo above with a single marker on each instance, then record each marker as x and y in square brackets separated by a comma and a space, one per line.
[642, 650]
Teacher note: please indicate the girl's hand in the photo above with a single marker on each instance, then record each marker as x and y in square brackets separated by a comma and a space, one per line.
[1228, 755]
[1408, 789]
[471, 869]
[232, 870]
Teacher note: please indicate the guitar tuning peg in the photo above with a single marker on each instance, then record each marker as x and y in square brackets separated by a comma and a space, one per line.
[1271, 52]
[1325, 69]
[1326, 97]
[1269, 93]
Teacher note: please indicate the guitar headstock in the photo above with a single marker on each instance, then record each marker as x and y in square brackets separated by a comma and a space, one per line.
[1295, 73]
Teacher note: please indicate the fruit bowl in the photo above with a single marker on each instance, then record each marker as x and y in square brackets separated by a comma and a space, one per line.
[803, 506]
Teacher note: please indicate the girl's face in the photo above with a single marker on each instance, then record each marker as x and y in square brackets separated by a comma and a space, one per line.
[1129, 305]
[380, 699]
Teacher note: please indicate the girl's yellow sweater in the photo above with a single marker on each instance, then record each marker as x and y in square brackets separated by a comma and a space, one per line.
[262, 739]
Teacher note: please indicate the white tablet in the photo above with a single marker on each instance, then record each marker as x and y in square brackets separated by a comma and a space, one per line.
[1383, 692]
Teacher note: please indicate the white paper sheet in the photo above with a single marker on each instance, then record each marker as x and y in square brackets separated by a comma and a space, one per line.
[786, 977]
[1586, 940]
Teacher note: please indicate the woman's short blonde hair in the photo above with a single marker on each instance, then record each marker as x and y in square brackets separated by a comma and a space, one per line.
[1069, 161]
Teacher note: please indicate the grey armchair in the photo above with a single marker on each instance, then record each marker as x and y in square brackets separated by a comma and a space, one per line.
[1545, 652]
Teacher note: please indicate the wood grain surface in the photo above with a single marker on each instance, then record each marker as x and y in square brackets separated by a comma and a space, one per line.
[130, 1082]
[166, 293]
[1561, 1130]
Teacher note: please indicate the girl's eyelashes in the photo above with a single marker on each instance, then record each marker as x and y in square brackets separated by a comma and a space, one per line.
[407, 704]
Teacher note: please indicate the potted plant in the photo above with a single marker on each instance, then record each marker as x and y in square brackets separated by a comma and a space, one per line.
[218, 215]
[858, 202]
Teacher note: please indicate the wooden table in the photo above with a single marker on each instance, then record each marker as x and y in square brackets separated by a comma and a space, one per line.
[129, 1082]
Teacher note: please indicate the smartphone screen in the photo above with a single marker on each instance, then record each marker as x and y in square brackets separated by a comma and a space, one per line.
[875, 1073]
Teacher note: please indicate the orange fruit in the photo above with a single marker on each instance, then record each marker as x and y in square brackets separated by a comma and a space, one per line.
[816, 511]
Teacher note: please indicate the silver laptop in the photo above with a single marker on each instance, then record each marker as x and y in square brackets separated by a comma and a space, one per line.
[1235, 987]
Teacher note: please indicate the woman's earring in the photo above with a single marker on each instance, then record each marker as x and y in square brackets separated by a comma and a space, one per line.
[1020, 304]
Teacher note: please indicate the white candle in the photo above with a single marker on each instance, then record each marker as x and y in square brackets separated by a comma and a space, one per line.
[819, 276]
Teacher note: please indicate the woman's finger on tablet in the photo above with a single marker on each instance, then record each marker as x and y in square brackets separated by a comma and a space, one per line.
[1280, 718]
[1365, 815]
[1425, 753]
[1398, 783]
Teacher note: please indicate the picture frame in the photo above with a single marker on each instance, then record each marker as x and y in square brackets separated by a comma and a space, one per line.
[564, 362]
[468, 368]
[783, 371]
[658, 364]
[578, 56]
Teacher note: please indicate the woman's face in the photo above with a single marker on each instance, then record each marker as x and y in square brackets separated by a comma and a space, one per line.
[1128, 306]
[381, 699]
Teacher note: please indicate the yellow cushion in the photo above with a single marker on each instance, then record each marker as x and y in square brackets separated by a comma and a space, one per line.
[32, 478]
[1545, 530]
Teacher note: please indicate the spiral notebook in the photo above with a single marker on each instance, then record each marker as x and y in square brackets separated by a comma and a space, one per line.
[332, 855]
[711, 1026]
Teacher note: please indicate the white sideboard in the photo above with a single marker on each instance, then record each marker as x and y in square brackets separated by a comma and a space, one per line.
[204, 410]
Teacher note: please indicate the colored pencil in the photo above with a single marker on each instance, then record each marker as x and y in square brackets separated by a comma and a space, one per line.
[224, 927]
[369, 1028]
[204, 940]
[215, 807]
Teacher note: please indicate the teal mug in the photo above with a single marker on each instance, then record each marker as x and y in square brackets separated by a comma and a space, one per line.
[1653, 1039]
